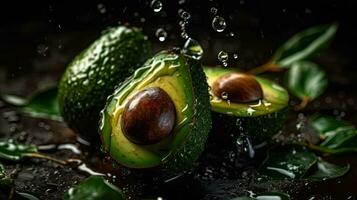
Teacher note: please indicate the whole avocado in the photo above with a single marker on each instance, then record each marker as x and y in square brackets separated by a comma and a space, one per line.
[93, 74]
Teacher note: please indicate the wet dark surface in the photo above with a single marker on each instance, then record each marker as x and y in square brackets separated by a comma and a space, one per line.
[35, 50]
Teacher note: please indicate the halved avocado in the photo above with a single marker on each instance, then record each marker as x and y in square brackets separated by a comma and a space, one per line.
[183, 81]
[260, 119]
[93, 74]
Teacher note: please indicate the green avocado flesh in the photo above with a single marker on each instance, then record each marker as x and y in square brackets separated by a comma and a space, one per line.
[260, 119]
[92, 76]
[184, 81]
[275, 97]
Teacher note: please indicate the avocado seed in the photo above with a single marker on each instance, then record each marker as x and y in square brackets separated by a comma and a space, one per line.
[149, 116]
[238, 87]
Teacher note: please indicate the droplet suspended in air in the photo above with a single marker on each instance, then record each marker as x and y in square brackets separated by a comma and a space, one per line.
[161, 34]
[219, 24]
[192, 49]
[223, 58]
[235, 56]
[101, 8]
[183, 14]
[214, 10]
[156, 5]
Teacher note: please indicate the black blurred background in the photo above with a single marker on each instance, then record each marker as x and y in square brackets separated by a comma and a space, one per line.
[38, 39]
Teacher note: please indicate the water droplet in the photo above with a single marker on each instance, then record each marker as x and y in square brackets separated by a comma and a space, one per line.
[181, 2]
[183, 14]
[224, 95]
[235, 56]
[192, 49]
[223, 57]
[219, 24]
[231, 34]
[161, 34]
[101, 8]
[156, 5]
[214, 10]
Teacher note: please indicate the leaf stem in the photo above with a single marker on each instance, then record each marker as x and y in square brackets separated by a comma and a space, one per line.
[42, 156]
[305, 100]
[267, 67]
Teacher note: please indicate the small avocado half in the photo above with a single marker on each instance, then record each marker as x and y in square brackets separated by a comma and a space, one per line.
[260, 119]
[167, 77]
[93, 74]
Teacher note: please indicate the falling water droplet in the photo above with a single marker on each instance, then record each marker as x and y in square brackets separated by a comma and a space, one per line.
[161, 34]
[235, 56]
[192, 49]
[214, 10]
[156, 5]
[101, 8]
[223, 57]
[183, 14]
[219, 24]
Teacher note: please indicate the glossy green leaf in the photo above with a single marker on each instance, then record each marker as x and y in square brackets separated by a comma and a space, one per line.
[5, 180]
[287, 162]
[94, 188]
[304, 45]
[24, 195]
[13, 151]
[338, 136]
[325, 124]
[327, 171]
[306, 80]
[42, 104]
[267, 196]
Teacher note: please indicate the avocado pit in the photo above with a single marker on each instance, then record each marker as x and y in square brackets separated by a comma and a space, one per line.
[149, 116]
[238, 87]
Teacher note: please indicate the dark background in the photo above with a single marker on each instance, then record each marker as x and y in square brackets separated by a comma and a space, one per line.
[38, 40]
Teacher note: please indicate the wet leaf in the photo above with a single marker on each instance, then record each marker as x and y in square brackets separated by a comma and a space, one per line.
[304, 45]
[287, 162]
[24, 195]
[327, 171]
[338, 136]
[42, 104]
[93, 188]
[14, 152]
[5, 180]
[306, 80]
[267, 196]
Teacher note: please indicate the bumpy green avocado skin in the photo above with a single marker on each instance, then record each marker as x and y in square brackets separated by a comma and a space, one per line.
[94, 73]
[188, 153]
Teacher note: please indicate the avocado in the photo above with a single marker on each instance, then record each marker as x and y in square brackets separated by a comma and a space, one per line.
[93, 74]
[251, 105]
[151, 136]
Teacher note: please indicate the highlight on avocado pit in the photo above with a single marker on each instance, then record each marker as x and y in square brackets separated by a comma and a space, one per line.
[129, 119]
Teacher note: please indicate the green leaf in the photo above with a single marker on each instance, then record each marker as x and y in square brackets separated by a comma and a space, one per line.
[306, 80]
[14, 152]
[94, 188]
[325, 124]
[287, 162]
[42, 104]
[5, 180]
[266, 196]
[327, 171]
[304, 45]
[339, 136]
